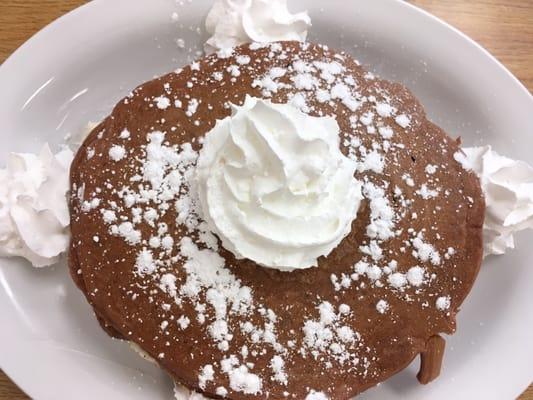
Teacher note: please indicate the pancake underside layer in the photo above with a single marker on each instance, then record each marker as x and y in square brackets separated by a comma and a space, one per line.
[230, 328]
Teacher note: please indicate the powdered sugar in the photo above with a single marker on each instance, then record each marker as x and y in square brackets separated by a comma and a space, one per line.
[427, 193]
[162, 102]
[384, 109]
[117, 153]
[125, 134]
[424, 251]
[278, 369]
[443, 303]
[327, 335]
[240, 378]
[192, 107]
[415, 276]
[403, 120]
[207, 374]
[145, 262]
[397, 280]
[183, 322]
[382, 306]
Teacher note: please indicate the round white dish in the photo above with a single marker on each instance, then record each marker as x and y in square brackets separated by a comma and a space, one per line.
[76, 69]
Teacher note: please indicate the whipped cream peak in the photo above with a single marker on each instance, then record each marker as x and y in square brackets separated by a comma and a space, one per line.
[234, 22]
[274, 185]
[34, 215]
[508, 188]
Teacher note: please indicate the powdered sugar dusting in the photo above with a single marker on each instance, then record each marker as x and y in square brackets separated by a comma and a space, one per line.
[182, 261]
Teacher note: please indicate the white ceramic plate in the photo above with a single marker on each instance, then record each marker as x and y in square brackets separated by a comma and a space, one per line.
[76, 69]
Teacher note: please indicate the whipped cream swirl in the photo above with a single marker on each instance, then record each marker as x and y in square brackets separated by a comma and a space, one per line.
[233, 22]
[34, 215]
[508, 188]
[274, 185]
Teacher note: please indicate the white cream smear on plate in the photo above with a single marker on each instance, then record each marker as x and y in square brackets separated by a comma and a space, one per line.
[508, 188]
[34, 215]
[234, 22]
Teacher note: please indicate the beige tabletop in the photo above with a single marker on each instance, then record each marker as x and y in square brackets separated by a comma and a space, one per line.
[504, 27]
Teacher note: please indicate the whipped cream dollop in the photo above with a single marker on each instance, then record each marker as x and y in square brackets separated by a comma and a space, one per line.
[233, 22]
[508, 188]
[274, 185]
[34, 215]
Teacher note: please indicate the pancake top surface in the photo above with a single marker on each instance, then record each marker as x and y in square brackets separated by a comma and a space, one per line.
[228, 327]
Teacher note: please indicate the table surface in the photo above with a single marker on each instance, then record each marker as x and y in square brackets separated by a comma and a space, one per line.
[503, 27]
